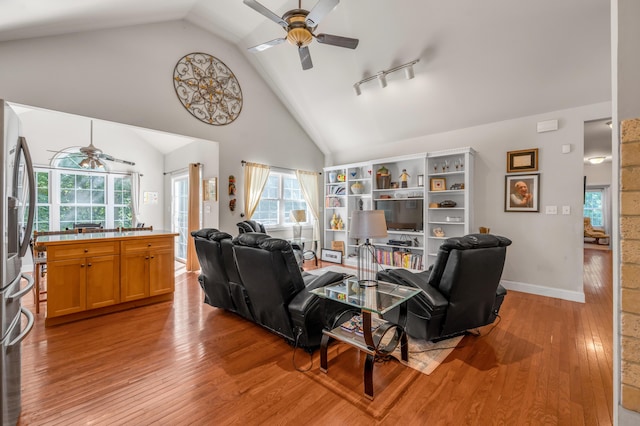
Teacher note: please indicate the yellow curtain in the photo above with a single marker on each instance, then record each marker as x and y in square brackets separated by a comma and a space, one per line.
[255, 178]
[310, 192]
[193, 219]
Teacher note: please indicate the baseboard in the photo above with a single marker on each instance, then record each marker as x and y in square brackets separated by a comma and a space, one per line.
[627, 417]
[573, 296]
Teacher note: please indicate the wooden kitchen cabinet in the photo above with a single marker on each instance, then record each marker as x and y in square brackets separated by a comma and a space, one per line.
[147, 268]
[82, 277]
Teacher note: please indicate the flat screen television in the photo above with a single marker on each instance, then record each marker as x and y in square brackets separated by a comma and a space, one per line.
[405, 214]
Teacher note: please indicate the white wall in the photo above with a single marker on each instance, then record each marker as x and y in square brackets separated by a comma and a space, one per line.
[546, 255]
[125, 76]
[598, 174]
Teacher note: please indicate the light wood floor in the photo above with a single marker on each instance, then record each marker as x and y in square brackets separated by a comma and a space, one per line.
[548, 361]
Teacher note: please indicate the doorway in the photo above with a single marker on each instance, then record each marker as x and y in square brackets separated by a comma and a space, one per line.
[597, 172]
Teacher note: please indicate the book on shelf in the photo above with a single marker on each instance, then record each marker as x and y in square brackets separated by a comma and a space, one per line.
[399, 258]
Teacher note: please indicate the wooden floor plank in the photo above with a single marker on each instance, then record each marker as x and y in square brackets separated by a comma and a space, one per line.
[547, 361]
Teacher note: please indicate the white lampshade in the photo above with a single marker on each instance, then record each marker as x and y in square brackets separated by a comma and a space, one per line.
[368, 224]
[299, 216]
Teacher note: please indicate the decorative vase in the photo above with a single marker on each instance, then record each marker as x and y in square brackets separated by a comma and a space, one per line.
[383, 178]
[333, 177]
[357, 188]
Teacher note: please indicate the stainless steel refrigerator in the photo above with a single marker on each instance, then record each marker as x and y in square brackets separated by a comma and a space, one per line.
[17, 196]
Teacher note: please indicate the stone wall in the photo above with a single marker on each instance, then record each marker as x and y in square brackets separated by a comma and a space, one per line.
[630, 263]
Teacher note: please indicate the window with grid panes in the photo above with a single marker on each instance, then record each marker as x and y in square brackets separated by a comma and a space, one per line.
[65, 197]
[281, 194]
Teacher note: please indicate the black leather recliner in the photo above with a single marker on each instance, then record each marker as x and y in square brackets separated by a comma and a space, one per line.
[461, 290]
[250, 226]
[258, 277]
[247, 226]
[219, 277]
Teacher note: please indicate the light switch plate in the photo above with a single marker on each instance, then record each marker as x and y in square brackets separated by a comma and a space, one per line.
[551, 210]
[566, 209]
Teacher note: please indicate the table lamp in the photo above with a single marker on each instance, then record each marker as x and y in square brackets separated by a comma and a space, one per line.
[299, 216]
[367, 224]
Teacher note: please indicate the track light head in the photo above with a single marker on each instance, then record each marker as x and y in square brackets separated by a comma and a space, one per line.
[356, 88]
[382, 79]
[408, 72]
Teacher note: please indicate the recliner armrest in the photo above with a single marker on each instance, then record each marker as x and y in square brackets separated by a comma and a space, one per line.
[429, 295]
[303, 299]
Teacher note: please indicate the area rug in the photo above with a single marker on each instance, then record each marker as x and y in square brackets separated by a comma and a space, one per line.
[337, 268]
[426, 356]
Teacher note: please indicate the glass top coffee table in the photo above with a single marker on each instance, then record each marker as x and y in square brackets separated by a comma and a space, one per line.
[375, 336]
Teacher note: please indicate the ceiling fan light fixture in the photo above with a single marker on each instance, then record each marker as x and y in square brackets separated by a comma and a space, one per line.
[85, 163]
[299, 37]
[596, 160]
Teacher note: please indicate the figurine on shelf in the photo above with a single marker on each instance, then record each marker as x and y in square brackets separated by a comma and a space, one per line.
[339, 225]
[334, 222]
[404, 177]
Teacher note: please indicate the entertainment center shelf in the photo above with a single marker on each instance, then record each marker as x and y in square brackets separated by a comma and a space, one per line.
[426, 198]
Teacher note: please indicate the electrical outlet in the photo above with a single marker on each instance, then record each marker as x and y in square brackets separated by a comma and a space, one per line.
[566, 209]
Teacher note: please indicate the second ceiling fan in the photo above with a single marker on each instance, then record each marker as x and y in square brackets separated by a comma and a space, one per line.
[300, 25]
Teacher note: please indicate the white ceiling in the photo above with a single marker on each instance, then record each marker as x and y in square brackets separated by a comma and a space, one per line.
[480, 61]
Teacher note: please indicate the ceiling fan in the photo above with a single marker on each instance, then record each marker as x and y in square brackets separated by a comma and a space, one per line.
[91, 157]
[300, 25]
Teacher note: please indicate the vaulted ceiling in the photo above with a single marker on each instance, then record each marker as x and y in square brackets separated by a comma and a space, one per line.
[479, 61]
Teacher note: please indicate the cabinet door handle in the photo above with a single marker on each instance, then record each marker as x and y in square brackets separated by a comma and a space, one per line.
[86, 250]
[153, 257]
[147, 257]
[89, 264]
[149, 245]
[82, 265]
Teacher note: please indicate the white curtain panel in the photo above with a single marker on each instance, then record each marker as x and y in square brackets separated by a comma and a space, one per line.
[255, 179]
[311, 193]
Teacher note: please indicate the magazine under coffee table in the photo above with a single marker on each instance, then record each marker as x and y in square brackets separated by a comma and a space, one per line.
[377, 337]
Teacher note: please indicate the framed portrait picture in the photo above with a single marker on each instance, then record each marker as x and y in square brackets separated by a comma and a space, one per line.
[333, 256]
[525, 160]
[522, 193]
[438, 184]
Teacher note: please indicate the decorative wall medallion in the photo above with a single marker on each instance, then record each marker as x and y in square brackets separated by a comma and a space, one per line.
[207, 88]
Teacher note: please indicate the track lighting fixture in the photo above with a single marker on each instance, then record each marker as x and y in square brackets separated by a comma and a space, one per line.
[381, 76]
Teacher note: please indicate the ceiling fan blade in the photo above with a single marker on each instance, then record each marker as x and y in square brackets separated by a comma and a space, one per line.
[305, 58]
[265, 46]
[319, 11]
[266, 12]
[349, 43]
[115, 160]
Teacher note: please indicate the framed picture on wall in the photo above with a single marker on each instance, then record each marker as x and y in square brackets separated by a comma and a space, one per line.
[522, 193]
[525, 160]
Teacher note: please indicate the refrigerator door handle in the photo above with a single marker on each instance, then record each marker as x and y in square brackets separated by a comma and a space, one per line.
[24, 245]
[22, 291]
[30, 321]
